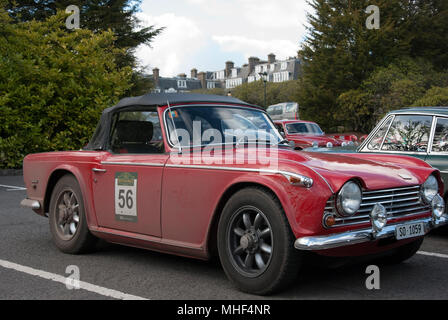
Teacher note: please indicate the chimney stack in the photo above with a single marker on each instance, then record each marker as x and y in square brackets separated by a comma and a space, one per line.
[271, 58]
[202, 78]
[182, 75]
[194, 73]
[229, 67]
[156, 76]
[253, 61]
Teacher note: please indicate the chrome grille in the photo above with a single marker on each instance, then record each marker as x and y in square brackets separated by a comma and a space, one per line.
[399, 202]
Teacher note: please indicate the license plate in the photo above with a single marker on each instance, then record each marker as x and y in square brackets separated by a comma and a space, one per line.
[410, 230]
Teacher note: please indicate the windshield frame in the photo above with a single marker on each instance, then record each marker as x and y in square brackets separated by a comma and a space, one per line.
[180, 147]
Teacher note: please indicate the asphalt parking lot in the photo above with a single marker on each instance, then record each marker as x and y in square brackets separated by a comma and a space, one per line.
[32, 268]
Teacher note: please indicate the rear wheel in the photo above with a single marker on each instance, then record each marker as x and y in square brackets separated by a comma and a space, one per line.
[255, 243]
[68, 224]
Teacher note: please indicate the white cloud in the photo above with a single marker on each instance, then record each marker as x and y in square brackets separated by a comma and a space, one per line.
[196, 1]
[277, 14]
[253, 47]
[172, 49]
[205, 33]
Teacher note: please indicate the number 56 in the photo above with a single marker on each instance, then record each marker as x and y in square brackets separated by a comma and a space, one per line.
[128, 201]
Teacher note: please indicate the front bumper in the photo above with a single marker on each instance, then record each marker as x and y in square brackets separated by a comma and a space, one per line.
[32, 204]
[361, 236]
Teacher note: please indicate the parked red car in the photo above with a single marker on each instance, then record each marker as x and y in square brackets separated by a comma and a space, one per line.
[146, 180]
[306, 134]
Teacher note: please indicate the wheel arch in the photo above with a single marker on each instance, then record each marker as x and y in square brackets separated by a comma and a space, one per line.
[83, 181]
[55, 176]
[211, 241]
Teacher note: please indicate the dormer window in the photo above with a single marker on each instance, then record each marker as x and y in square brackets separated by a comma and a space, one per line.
[181, 83]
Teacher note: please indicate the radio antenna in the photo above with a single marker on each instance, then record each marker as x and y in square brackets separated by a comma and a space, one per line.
[174, 126]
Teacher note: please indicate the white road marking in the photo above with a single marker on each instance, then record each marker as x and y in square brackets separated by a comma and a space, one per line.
[58, 278]
[433, 254]
[12, 188]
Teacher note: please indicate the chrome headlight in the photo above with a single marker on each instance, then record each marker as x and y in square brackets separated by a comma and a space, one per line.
[378, 217]
[329, 145]
[349, 199]
[438, 206]
[429, 189]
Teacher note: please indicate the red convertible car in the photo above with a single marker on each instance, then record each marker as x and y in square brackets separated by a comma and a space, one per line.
[306, 134]
[195, 174]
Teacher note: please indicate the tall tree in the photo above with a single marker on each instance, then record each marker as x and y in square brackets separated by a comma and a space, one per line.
[340, 52]
[54, 85]
[97, 16]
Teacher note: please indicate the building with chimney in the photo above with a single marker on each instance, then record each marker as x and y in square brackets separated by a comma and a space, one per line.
[231, 76]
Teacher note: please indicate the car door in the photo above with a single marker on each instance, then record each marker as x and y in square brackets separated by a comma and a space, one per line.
[127, 182]
[438, 155]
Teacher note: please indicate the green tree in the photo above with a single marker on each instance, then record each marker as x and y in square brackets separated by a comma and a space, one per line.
[399, 85]
[340, 53]
[54, 83]
[436, 96]
[275, 92]
[98, 16]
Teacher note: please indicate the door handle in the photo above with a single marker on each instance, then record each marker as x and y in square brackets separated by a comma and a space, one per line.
[99, 170]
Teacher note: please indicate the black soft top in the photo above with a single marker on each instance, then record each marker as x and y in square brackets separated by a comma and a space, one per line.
[101, 136]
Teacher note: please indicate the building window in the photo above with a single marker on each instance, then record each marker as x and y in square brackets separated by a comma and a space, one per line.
[234, 73]
[284, 65]
[211, 85]
[232, 83]
[219, 75]
[276, 77]
[181, 83]
[281, 76]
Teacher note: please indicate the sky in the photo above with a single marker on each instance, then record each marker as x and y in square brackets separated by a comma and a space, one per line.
[204, 34]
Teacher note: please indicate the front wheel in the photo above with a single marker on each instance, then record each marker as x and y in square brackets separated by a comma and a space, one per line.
[255, 243]
[68, 224]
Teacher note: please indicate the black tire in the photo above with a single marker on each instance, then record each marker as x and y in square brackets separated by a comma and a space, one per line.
[403, 253]
[281, 266]
[81, 240]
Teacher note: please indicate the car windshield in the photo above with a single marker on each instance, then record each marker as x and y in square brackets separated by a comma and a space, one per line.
[203, 125]
[304, 128]
[408, 133]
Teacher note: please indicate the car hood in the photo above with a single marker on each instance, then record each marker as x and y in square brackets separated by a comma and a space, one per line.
[336, 169]
[312, 138]
[346, 149]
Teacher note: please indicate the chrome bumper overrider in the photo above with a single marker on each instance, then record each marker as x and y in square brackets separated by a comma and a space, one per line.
[32, 204]
[361, 236]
